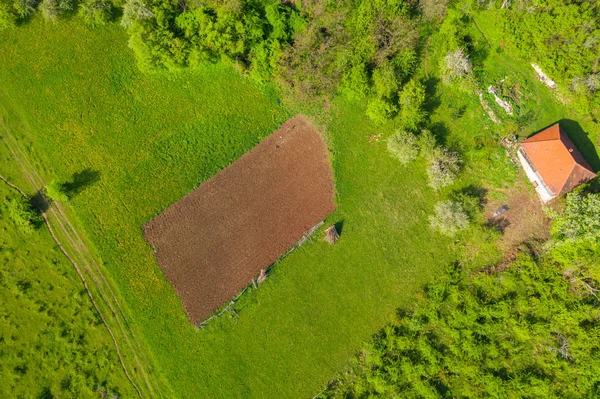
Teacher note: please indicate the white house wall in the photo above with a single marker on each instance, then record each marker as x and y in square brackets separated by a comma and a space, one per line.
[540, 187]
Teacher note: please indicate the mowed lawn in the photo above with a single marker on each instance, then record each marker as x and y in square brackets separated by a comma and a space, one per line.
[77, 101]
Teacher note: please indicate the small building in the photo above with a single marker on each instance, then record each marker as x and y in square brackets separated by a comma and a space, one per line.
[552, 163]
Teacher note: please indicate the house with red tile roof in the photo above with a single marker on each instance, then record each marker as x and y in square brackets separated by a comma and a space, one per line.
[552, 163]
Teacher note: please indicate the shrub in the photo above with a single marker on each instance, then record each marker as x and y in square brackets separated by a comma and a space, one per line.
[24, 8]
[433, 9]
[403, 145]
[7, 16]
[443, 168]
[449, 218]
[411, 100]
[22, 214]
[580, 219]
[427, 142]
[52, 9]
[385, 83]
[55, 191]
[381, 109]
[135, 10]
[456, 65]
[95, 12]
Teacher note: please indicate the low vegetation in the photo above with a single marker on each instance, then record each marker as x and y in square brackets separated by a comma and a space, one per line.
[449, 218]
[209, 82]
[52, 343]
[523, 332]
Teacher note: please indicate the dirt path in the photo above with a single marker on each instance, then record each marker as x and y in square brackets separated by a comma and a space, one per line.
[72, 245]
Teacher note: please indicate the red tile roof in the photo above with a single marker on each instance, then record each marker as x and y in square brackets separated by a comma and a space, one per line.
[557, 160]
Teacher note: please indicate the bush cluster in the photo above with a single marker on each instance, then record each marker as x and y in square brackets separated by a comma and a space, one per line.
[449, 218]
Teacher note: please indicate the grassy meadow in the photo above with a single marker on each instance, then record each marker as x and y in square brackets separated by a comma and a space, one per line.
[51, 338]
[74, 98]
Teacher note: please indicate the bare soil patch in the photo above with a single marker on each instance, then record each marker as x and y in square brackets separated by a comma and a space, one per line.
[212, 242]
[525, 219]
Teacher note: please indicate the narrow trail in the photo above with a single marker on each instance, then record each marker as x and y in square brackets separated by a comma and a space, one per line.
[85, 285]
[56, 215]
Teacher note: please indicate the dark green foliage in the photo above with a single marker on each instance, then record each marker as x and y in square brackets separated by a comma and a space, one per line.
[519, 333]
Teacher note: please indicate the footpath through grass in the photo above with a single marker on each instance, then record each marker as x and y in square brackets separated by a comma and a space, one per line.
[51, 340]
[76, 101]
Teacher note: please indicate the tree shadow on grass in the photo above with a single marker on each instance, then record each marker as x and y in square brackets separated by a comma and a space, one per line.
[581, 139]
[339, 226]
[433, 99]
[80, 181]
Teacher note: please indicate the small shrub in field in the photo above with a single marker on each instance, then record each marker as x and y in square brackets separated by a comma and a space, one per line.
[22, 214]
[52, 9]
[427, 142]
[411, 100]
[95, 12]
[385, 82]
[404, 146]
[433, 9]
[8, 18]
[380, 110]
[449, 218]
[443, 168]
[56, 192]
[135, 10]
[456, 65]
[580, 219]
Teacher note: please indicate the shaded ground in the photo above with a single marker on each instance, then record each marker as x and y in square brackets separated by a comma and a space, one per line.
[524, 220]
[212, 242]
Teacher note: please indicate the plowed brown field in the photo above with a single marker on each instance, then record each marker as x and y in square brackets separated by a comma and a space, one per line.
[212, 242]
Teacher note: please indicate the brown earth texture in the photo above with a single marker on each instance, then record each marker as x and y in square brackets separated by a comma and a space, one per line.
[215, 240]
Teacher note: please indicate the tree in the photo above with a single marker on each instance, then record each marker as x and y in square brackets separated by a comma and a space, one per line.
[456, 65]
[55, 191]
[7, 16]
[520, 333]
[22, 214]
[580, 219]
[381, 109]
[427, 142]
[135, 10]
[52, 9]
[24, 8]
[404, 146]
[95, 12]
[411, 100]
[449, 218]
[433, 9]
[443, 168]
[385, 82]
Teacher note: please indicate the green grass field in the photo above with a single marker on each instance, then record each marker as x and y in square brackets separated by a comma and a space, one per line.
[51, 339]
[75, 100]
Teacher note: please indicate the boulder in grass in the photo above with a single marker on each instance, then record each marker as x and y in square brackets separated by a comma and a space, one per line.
[331, 235]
